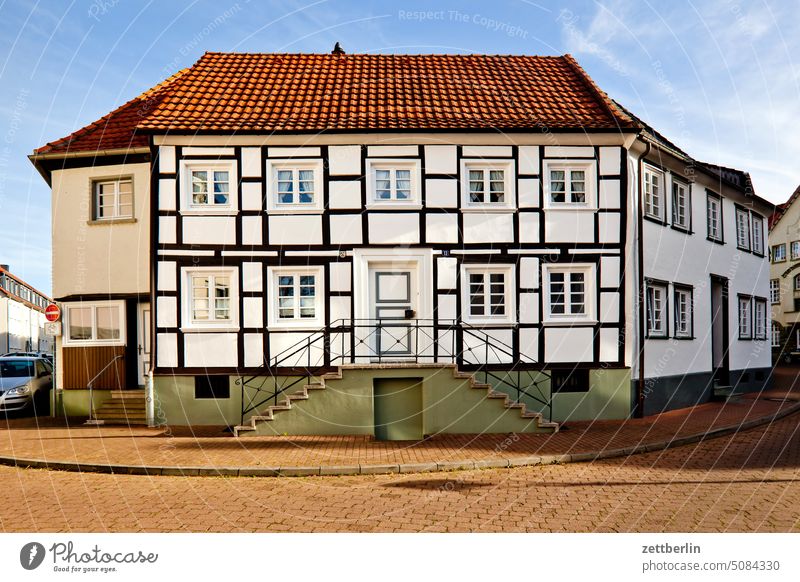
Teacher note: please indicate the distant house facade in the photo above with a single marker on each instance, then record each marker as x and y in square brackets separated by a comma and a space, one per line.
[22, 320]
[784, 280]
[401, 245]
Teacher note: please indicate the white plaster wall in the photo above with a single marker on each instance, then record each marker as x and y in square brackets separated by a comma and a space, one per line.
[295, 230]
[210, 350]
[209, 230]
[86, 257]
[394, 228]
[565, 226]
[488, 228]
[569, 344]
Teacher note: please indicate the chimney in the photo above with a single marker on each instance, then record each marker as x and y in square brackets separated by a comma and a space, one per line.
[337, 49]
[4, 267]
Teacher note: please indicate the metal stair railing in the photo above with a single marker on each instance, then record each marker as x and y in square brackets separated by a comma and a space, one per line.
[362, 341]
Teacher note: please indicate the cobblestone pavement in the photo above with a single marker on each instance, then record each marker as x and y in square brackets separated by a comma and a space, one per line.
[55, 440]
[746, 482]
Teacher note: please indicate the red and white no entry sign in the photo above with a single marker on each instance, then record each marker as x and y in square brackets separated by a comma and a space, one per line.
[52, 312]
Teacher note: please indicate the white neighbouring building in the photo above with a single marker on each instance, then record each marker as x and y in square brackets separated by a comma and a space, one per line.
[22, 320]
[388, 244]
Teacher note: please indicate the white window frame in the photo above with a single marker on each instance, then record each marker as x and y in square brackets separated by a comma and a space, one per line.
[313, 164]
[187, 205]
[120, 305]
[792, 254]
[775, 291]
[650, 171]
[758, 237]
[796, 282]
[775, 334]
[567, 166]
[742, 229]
[676, 187]
[393, 164]
[509, 178]
[663, 330]
[312, 324]
[187, 322]
[744, 317]
[679, 291]
[774, 253]
[590, 286]
[96, 184]
[509, 290]
[759, 319]
[714, 199]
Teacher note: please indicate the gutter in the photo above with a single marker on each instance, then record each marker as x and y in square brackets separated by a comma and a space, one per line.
[638, 411]
[36, 159]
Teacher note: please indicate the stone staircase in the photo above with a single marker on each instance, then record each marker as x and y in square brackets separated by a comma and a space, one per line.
[125, 407]
[502, 404]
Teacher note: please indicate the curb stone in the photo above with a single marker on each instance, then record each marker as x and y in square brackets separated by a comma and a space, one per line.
[405, 468]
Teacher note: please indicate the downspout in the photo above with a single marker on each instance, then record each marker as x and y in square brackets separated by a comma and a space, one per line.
[639, 409]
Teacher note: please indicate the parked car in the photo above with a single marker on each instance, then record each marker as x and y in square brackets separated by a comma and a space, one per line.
[45, 355]
[25, 384]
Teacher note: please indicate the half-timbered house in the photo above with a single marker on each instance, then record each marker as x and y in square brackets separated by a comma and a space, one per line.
[399, 245]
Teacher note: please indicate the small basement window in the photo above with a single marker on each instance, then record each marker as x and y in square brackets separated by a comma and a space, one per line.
[575, 380]
[212, 387]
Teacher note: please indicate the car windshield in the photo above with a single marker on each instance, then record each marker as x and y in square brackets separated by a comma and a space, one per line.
[16, 369]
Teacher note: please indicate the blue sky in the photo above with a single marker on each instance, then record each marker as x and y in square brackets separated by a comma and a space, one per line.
[716, 76]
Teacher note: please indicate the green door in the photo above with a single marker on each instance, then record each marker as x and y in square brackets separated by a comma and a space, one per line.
[398, 409]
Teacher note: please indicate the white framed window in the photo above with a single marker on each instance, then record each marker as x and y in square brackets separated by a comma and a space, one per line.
[569, 293]
[296, 297]
[775, 335]
[760, 318]
[794, 250]
[774, 291]
[745, 317]
[656, 300]
[113, 199]
[569, 184]
[684, 312]
[210, 298]
[94, 323]
[208, 187]
[779, 253]
[393, 182]
[758, 234]
[294, 186]
[488, 185]
[488, 294]
[743, 229]
[796, 282]
[681, 206]
[653, 193]
[714, 217]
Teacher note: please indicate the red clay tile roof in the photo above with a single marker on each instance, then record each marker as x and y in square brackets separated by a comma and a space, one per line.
[780, 209]
[117, 130]
[319, 92]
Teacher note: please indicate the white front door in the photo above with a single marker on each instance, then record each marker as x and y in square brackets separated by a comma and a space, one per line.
[394, 300]
[143, 340]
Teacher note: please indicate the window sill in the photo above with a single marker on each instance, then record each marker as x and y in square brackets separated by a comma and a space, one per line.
[569, 322]
[220, 329]
[684, 337]
[488, 209]
[394, 206]
[104, 221]
[490, 322]
[304, 326]
[682, 229]
[92, 344]
[658, 337]
[570, 208]
[291, 211]
[715, 240]
[209, 212]
[655, 219]
[746, 250]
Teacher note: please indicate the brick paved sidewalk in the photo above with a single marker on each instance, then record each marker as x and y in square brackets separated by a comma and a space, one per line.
[56, 441]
